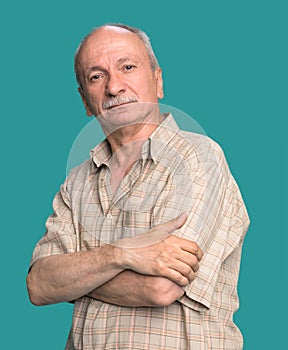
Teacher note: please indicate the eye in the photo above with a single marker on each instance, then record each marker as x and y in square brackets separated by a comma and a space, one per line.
[95, 77]
[129, 67]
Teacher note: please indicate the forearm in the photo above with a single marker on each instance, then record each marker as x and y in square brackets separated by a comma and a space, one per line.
[67, 277]
[134, 290]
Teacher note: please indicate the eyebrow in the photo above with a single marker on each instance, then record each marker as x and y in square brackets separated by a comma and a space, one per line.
[95, 68]
[120, 60]
[125, 59]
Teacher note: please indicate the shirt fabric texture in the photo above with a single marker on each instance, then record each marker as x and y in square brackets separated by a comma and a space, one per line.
[178, 171]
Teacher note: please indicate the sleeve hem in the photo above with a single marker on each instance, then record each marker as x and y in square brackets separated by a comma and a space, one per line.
[195, 302]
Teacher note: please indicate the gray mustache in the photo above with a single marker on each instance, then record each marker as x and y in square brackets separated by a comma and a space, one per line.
[117, 100]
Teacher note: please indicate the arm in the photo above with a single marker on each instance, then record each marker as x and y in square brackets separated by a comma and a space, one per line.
[132, 289]
[65, 277]
[137, 289]
[58, 273]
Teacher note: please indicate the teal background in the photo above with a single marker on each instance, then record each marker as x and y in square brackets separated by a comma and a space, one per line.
[224, 63]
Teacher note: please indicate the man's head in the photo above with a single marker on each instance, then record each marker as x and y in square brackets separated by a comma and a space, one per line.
[141, 35]
[115, 66]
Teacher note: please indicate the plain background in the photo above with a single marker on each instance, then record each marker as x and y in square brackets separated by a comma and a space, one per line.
[224, 63]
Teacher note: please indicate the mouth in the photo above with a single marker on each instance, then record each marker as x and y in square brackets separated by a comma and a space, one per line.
[117, 102]
[120, 105]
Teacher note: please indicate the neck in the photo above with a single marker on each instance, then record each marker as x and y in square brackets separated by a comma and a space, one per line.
[126, 145]
[126, 142]
[125, 156]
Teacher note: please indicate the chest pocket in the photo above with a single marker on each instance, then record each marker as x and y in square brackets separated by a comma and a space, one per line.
[133, 212]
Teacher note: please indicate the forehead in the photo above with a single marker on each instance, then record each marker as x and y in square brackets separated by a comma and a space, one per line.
[110, 43]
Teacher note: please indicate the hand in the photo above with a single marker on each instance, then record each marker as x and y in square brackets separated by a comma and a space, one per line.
[161, 291]
[159, 253]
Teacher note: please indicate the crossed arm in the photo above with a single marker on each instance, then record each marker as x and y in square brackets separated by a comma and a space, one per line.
[132, 289]
[148, 270]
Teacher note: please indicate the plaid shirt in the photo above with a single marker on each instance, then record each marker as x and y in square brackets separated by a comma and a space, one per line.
[177, 172]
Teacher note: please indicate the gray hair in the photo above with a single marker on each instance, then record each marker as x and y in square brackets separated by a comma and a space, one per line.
[141, 35]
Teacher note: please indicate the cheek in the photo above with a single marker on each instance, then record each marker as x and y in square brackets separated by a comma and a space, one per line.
[147, 89]
[94, 98]
[152, 91]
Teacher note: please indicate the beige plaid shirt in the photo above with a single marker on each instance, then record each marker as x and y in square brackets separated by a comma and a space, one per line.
[178, 172]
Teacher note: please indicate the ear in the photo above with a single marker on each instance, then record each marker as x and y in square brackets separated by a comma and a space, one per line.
[158, 76]
[88, 111]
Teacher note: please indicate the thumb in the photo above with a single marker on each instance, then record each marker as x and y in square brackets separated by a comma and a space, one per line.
[175, 223]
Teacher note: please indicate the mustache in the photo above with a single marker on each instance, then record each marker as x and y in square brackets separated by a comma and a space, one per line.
[118, 100]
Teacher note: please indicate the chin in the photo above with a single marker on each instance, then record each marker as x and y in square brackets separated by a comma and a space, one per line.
[127, 115]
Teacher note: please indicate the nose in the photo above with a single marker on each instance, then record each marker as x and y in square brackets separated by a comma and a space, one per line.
[115, 85]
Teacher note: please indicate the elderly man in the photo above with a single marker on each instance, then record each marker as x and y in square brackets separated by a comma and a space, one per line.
[146, 235]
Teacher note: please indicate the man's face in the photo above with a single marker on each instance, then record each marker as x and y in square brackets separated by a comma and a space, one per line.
[116, 75]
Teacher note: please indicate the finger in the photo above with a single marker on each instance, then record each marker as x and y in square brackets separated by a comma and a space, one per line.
[199, 254]
[177, 277]
[193, 248]
[175, 223]
[190, 260]
[185, 269]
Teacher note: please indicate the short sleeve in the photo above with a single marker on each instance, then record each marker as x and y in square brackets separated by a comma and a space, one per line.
[204, 188]
[219, 268]
[60, 236]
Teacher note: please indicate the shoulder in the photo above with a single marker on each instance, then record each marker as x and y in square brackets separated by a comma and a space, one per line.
[200, 151]
[201, 146]
[199, 141]
[78, 175]
[80, 169]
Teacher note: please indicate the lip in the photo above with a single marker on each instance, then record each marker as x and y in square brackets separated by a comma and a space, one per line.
[121, 105]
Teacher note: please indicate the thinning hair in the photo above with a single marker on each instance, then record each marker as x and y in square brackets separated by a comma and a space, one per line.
[141, 35]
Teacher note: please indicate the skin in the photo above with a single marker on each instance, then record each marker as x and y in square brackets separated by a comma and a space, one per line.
[114, 62]
[147, 270]
[66, 277]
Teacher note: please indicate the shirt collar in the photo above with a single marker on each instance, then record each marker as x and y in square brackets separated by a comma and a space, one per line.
[161, 136]
[101, 153]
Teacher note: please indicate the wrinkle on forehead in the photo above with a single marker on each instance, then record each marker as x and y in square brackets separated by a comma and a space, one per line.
[109, 36]
[107, 41]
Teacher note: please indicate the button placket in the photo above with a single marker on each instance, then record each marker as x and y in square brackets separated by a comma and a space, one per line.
[104, 193]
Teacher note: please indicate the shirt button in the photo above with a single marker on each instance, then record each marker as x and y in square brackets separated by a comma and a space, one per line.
[109, 216]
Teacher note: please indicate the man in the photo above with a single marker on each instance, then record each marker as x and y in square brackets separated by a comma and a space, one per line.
[146, 236]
